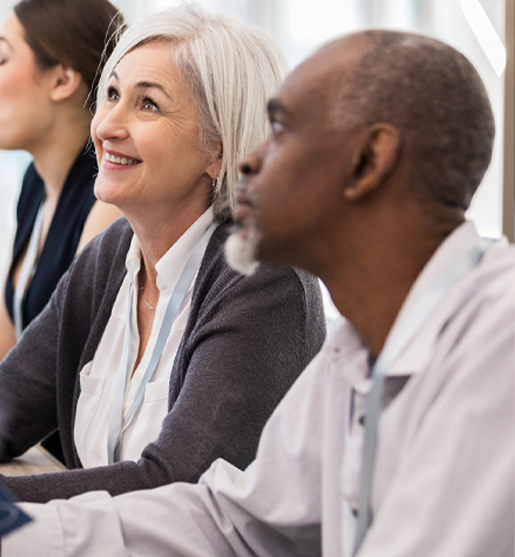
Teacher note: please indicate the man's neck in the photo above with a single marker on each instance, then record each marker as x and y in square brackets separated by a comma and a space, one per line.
[371, 291]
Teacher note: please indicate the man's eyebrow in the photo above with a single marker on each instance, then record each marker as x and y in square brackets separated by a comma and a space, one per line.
[275, 106]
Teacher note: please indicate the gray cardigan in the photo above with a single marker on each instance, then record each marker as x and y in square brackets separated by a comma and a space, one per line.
[246, 341]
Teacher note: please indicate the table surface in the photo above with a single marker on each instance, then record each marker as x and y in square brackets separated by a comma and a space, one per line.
[35, 461]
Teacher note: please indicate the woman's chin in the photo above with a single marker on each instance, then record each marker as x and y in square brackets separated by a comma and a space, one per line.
[106, 194]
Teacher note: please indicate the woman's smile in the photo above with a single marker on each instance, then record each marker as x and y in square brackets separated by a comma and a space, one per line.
[118, 160]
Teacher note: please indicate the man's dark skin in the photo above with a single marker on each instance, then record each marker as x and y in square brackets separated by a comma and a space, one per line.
[341, 203]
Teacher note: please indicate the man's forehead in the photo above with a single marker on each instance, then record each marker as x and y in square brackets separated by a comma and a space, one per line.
[316, 78]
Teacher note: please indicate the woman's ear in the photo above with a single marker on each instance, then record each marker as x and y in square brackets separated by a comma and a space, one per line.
[65, 82]
[375, 159]
[215, 167]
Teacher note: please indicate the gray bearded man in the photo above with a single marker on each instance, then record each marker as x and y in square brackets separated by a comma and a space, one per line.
[397, 439]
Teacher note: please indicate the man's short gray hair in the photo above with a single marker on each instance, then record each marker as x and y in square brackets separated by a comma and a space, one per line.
[435, 96]
[230, 68]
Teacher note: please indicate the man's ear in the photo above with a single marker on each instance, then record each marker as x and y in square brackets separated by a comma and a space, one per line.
[64, 83]
[375, 159]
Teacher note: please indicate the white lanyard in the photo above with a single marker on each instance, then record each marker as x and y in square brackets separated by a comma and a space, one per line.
[398, 340]
[27, 270]
[116, 422]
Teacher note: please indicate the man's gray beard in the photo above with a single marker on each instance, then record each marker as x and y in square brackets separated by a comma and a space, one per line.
[240, 251]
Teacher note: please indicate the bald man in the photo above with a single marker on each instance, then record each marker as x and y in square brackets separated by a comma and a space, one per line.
[397, 439]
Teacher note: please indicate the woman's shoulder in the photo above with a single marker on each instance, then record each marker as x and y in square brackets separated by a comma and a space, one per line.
[277, 301]
[106, 252]
[31, 194]
[215, 272]
[115, 237]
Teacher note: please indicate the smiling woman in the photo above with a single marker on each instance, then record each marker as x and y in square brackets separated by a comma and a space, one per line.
[145, 125]
[154, 357]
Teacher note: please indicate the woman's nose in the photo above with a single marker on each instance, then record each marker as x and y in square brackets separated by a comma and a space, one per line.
[110, 123]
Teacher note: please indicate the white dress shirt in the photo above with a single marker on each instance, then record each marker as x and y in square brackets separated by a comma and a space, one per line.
[444, 481]
[98, 377]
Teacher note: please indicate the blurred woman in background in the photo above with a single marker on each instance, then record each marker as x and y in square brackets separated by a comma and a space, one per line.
[50, 51]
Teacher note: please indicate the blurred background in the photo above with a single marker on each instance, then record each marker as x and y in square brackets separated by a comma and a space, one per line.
[480, 29]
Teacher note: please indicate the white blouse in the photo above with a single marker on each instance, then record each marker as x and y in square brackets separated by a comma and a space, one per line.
[98, 377]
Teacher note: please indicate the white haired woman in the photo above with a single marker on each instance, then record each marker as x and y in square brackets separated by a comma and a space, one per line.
[153, 357]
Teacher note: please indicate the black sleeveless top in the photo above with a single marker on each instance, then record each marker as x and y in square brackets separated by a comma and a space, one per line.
[63, 237]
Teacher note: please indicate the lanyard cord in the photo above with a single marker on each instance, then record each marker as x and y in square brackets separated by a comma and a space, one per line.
[116, 422]
[399, 338]
[27, 270]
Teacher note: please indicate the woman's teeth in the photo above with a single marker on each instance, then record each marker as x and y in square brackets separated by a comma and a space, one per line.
[120, 160]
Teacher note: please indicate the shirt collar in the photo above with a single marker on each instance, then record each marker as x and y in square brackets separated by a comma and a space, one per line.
[417, 354]
[169, 268]
[345, 346]
[133, 259]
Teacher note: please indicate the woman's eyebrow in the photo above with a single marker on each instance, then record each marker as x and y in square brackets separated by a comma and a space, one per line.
[144, 84]
[6, 41]
[150, 85]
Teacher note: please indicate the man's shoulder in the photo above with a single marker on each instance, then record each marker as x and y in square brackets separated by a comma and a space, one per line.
[494, 278]
[477, 319]
[499, 259]
[483, 300]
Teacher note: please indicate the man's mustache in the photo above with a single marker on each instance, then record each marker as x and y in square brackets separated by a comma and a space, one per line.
[243, 197]
[243, 193]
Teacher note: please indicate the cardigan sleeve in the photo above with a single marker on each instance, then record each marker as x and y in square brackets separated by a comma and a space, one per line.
[247, 340]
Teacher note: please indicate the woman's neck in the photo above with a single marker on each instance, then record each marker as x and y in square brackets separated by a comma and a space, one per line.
[55, 157]
[157, 233]
[154, 243]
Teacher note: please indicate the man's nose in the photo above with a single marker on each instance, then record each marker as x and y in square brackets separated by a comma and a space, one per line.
[251, 164]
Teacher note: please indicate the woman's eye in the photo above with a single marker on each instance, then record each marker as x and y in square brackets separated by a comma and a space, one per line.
[149, 105]
[112, 94]
[3, 61]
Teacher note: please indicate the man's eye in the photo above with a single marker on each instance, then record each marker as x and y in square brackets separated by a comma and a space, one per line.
[276, 127]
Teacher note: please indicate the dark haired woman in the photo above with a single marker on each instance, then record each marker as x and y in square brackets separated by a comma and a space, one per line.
[50, 52]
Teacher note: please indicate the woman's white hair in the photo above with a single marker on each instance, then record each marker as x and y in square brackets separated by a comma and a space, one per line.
[231, 69]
